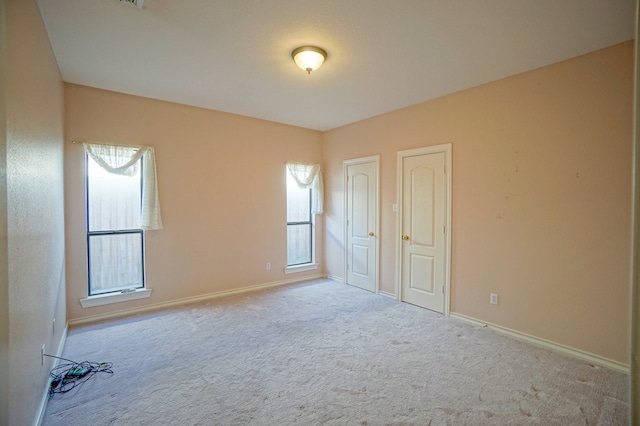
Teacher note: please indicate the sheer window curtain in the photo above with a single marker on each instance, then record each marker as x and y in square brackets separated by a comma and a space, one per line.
[123, 160]
[309, 176]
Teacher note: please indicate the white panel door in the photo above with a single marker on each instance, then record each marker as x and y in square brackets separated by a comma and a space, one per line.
[423, 220]
[361, 225]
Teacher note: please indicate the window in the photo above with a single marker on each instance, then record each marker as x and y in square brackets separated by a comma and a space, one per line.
[115, 239]
[299, 224]
[304, 199]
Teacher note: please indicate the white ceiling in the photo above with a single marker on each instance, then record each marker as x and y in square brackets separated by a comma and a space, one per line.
[235, 55]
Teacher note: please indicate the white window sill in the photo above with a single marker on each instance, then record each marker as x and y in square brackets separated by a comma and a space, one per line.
[105, 299]
[300, 268]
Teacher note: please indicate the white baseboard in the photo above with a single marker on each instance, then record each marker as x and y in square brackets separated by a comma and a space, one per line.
[183, 301]
[45, 397]
[576, 353]
[381, 293]
[387, 294]
[336, 279]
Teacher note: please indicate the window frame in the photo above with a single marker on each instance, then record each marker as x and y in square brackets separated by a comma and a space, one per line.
[129, 231]
[311, 236]
[311, 264]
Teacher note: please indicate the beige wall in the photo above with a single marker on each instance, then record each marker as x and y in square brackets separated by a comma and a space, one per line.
[221, 184]
[34, 211]
[4, 247]
[541, 197]
[541, 207]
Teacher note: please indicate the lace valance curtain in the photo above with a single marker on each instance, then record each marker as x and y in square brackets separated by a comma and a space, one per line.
[123, 160]
[309, 176]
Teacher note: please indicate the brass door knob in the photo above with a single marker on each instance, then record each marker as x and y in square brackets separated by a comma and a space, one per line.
[371, 234]
[405, 237]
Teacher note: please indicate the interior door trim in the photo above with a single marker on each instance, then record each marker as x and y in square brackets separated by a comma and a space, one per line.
[446, 149]
[345, 165]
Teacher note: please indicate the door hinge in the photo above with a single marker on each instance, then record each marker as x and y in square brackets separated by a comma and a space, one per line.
[444, 229]
[442, 289]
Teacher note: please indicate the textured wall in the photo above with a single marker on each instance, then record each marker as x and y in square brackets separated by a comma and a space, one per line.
[34, 208]
[541, 197]
[4, 266]
[222, 193]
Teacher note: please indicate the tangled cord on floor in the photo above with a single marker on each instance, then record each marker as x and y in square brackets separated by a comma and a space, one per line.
[68, 375]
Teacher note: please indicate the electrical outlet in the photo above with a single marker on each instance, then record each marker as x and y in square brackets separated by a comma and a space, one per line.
[54, 326]
[268, 266]
[493, 299]
[43, 352]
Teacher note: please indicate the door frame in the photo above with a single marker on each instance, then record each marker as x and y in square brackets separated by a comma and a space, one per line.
[446, 149]
[345, 165]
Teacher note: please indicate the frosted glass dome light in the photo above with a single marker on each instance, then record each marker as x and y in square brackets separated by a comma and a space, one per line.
[309, 58]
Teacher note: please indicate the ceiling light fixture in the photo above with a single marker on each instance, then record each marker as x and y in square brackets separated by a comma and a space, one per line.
[309, 58]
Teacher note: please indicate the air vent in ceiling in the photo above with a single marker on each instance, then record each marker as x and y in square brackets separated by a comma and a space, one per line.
[136, 3]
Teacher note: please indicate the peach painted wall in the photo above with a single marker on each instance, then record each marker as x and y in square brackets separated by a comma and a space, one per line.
[32, 174]
[541, 197]
[221, 181]
[4, 243]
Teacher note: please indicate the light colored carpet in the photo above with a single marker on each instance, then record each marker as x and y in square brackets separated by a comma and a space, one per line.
[326, 353]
